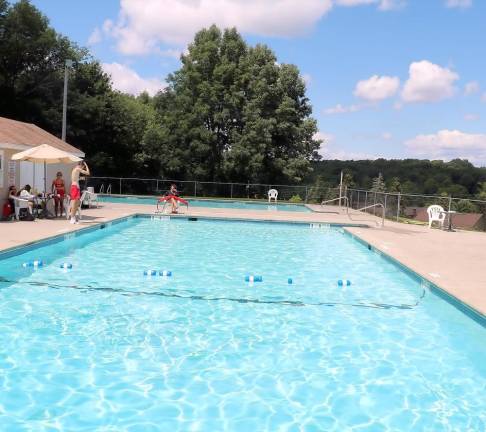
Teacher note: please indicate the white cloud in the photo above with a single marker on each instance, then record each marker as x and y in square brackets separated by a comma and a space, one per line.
[471, 117]
[342, 109]
[144, 24]
[459, 3]
[386, 5]
[95, 37]
[483, 97]
[327, 152]
[307, 79]
[387, 136]
[471, 87]
[383, 5]
[377, 88]
[428, 82]
[348, 155]
[128, 81]
[449, 144]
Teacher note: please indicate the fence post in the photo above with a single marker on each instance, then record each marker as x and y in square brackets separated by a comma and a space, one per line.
[120, 185]
[398, 207]
[306, 194]
[357, 206]
[195, 189]
[450, 203]
[231, 193]
[384, 210]
[366, 199]
[157, 186]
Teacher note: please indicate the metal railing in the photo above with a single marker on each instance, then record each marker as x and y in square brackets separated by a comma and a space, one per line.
[341, 198]
[403, 206]
[194, 188]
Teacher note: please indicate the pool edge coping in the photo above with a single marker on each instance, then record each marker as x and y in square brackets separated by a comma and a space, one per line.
[434, 287]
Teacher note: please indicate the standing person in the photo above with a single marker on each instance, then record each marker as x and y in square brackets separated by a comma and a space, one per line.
[59, 190]
[80, 168]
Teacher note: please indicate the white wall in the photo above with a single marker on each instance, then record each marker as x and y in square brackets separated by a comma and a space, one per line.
[33, 174]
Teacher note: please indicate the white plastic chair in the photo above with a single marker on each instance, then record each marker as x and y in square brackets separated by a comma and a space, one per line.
[21, 203]
[272, 194]
[436, 214]
[67, 205]
[91, 197]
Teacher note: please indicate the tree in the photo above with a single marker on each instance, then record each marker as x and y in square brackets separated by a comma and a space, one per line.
[232, 113]
[378, 184]
[32, 59]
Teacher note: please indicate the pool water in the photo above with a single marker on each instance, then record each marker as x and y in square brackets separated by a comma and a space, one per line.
[237, 205]
[103, 347]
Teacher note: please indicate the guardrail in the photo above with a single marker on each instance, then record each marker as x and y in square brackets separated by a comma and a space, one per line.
[194, 188]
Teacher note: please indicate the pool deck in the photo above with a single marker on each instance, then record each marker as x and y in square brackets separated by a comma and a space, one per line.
[452, 260]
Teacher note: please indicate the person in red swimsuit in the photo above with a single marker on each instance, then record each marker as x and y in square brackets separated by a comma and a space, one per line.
[59, 191]
[80, 168]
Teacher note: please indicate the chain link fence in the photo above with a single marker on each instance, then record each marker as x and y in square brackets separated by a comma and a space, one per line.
[138, 186]
[411, 207]
[396, 206]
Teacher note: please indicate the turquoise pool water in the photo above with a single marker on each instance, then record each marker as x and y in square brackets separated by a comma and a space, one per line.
[241, 205]
[102, 347]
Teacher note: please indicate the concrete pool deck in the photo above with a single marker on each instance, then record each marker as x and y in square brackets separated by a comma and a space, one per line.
[452, 260]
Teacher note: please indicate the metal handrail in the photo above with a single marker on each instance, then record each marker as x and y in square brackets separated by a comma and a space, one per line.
[345, 198]
[108, 189]
[376, 205]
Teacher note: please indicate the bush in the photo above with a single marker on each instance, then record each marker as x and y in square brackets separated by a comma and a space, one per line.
[295, 199]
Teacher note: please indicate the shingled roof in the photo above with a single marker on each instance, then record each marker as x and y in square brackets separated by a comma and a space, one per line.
[19, 135]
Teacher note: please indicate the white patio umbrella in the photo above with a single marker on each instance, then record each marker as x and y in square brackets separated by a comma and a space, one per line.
[47, 154]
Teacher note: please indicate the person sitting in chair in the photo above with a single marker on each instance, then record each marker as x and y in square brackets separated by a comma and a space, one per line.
[173, 192]
[26, 195]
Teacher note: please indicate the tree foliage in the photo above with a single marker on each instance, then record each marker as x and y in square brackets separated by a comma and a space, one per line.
[458, 178]
[231, 112]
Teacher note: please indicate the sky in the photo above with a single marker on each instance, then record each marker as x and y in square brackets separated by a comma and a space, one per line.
[386, 78]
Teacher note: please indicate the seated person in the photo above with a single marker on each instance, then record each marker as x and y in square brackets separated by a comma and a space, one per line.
[58, 191]
[12, 193]
[9, 206]
[174, 193]
[26, 195]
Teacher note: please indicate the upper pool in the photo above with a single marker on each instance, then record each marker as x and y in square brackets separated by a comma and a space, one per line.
[240, 205]
[101, 347]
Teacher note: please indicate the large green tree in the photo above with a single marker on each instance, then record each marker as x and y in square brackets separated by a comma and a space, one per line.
[231, 112]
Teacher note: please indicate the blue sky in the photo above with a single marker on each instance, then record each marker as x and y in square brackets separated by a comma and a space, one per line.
[386, 78]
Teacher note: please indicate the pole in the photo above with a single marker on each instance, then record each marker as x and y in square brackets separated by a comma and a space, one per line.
[120, 185]
[398, 207]
[340, 188]
[231, 193]
[195, 189]
[67, 65]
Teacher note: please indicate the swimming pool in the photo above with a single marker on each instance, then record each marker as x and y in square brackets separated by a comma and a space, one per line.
[227, 204]
[103, 347]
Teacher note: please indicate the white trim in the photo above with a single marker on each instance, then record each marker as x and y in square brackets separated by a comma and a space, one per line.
[9, 146]
[14, 146]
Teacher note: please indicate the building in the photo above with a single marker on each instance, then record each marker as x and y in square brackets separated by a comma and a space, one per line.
[16, 136]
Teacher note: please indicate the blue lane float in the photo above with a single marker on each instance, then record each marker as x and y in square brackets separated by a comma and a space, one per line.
[157, 273]
[66, 266]
[36, 263]
[344, 282]
[253, 278]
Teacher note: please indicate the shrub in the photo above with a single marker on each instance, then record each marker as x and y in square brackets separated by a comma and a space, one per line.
[295, 199]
